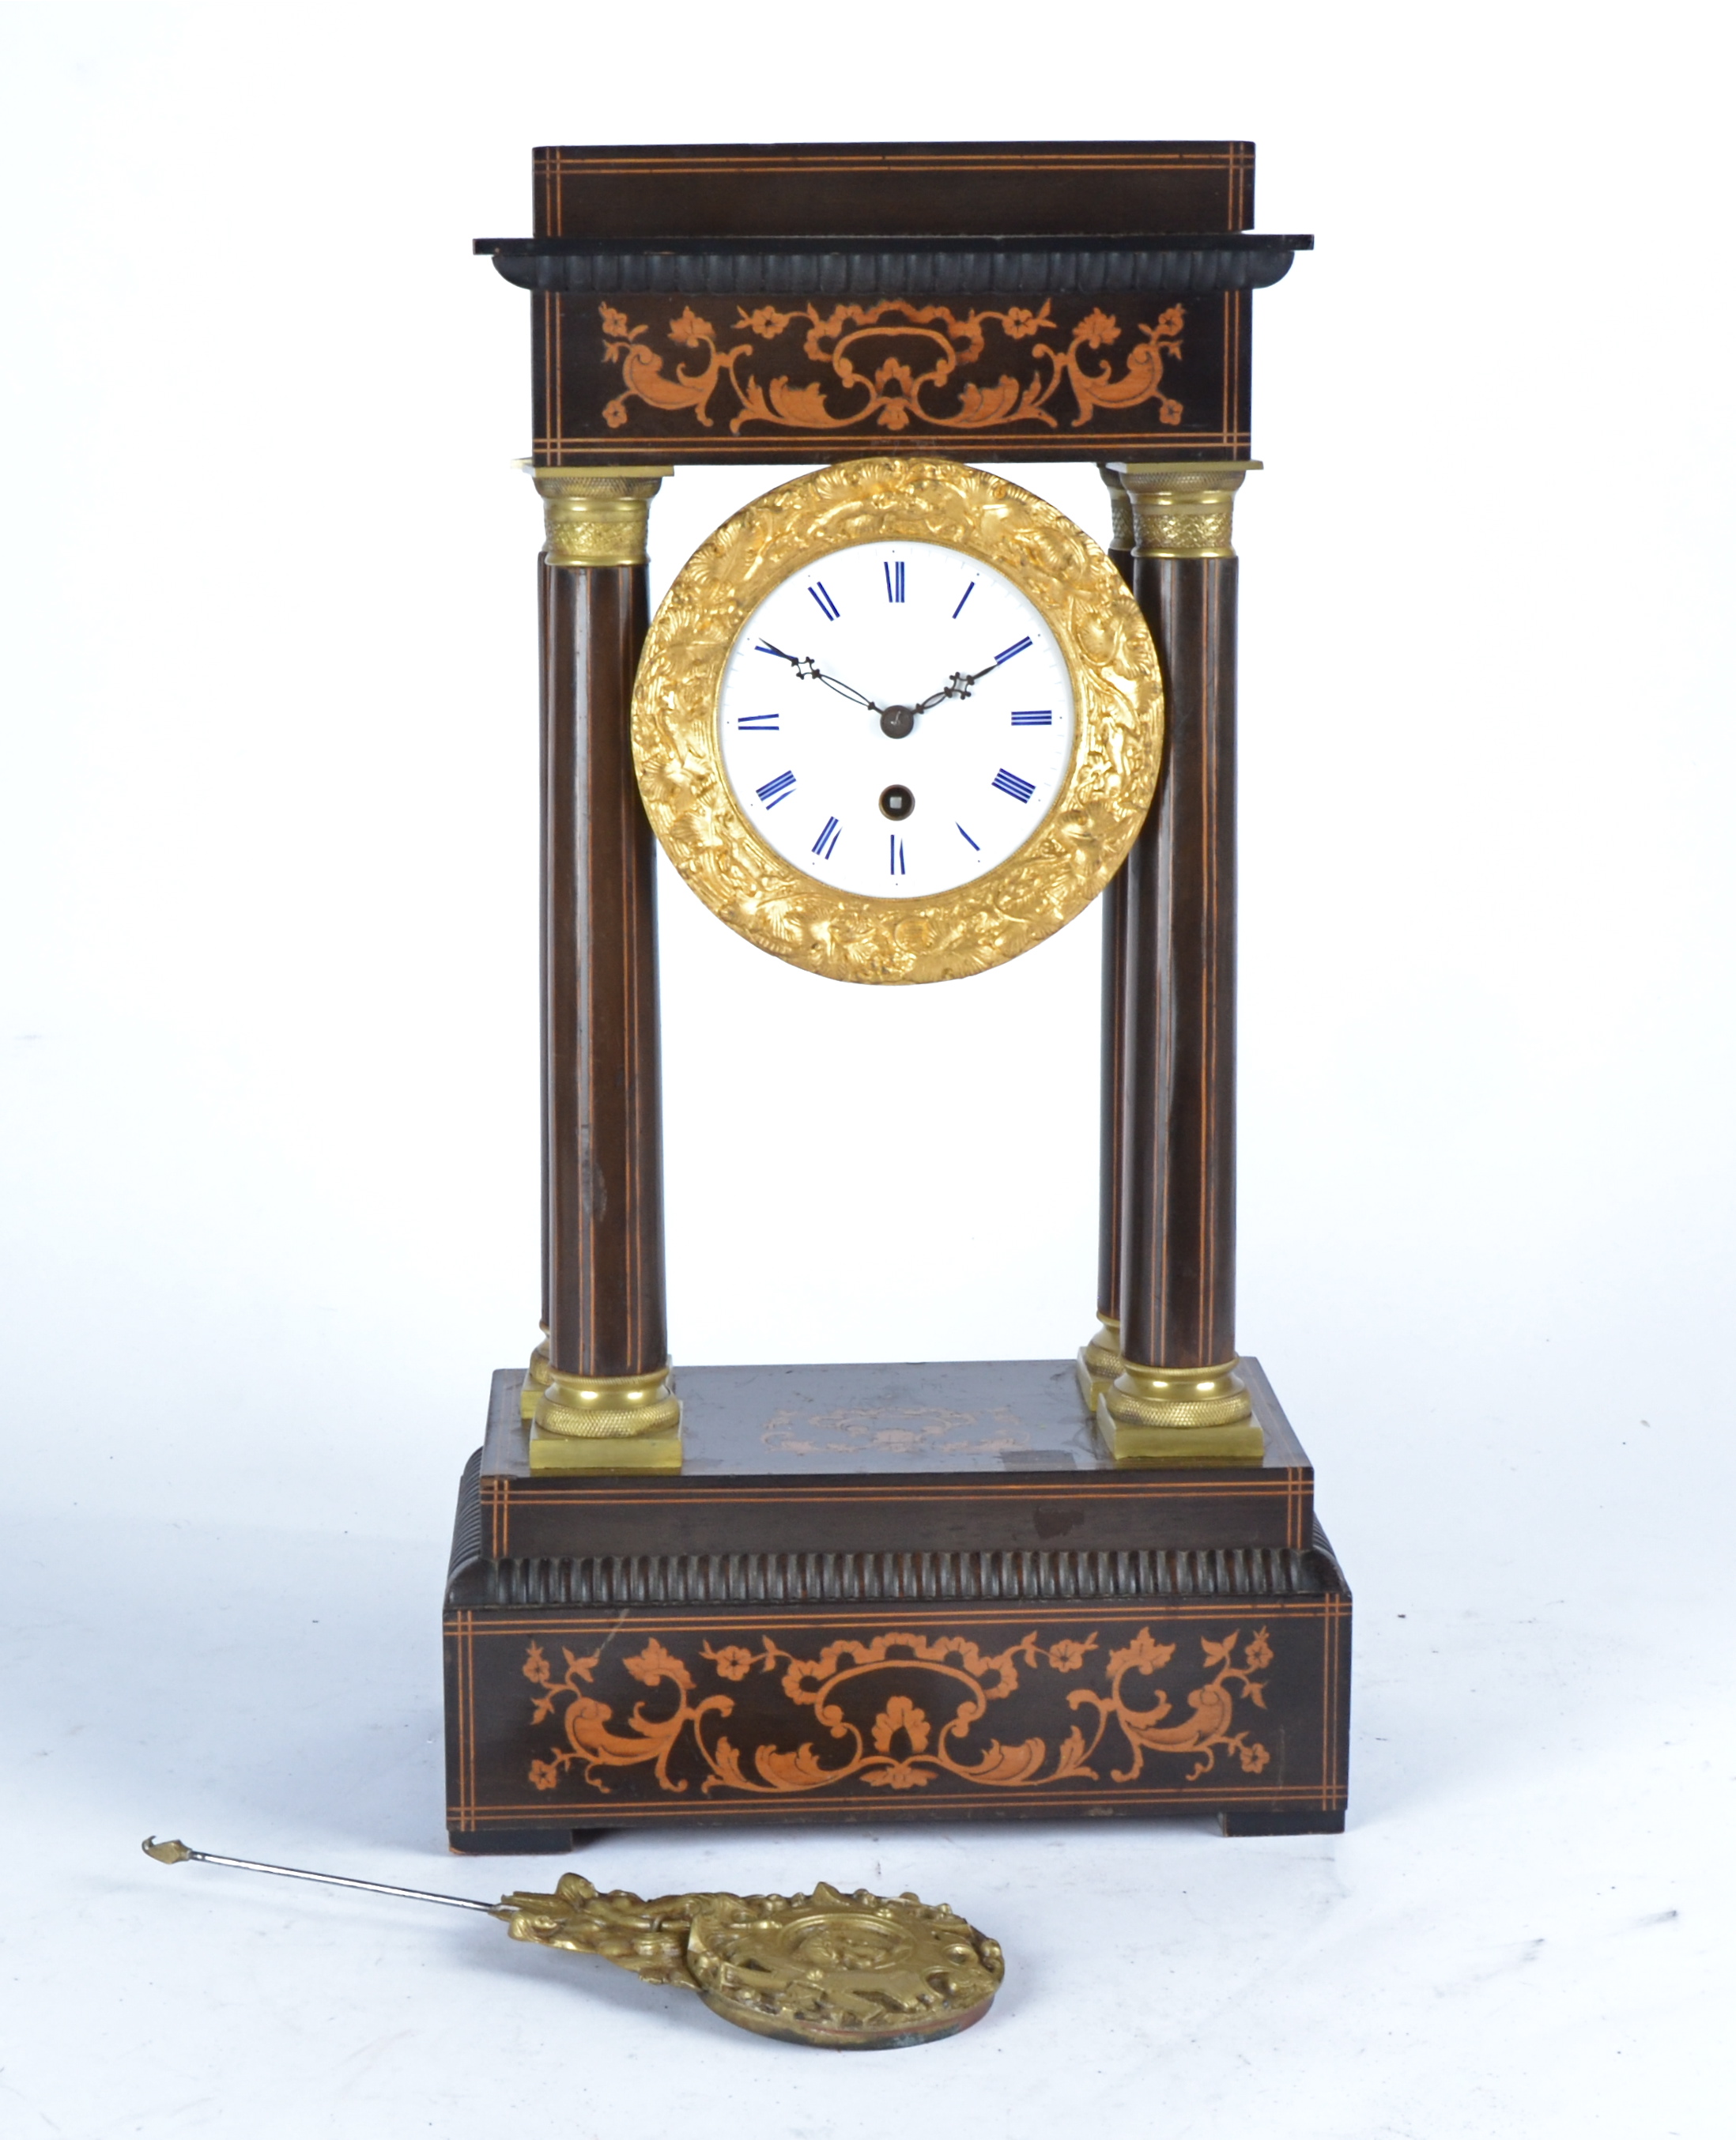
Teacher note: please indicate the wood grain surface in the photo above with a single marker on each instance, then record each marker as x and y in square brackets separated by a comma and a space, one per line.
[603, 1087]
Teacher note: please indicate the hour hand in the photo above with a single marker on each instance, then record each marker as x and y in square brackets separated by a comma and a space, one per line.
[957, 686]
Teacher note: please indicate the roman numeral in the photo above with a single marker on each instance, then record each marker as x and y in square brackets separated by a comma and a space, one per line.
[829, 608]
[894, 854]
[1033, 721]
[828, 840]
[774, 791]
[758, 723]
[1010, 783]
[966, 596]
[966, 837]
[1007, 653]
[894, 572]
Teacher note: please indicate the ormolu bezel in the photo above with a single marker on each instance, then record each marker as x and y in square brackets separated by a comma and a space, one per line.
[1070, 857]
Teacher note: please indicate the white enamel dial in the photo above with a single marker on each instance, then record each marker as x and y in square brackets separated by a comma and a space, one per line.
[896, 720]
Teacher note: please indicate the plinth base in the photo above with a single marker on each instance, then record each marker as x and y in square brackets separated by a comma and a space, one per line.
[568, 1453]
[881, 1593]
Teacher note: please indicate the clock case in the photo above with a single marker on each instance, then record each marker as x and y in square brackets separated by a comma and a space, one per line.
[882, 1594]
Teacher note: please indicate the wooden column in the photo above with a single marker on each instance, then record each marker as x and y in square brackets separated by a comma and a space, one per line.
[606, 1404]
[1177, 1399]
[1100, 1361]
[535, 1379]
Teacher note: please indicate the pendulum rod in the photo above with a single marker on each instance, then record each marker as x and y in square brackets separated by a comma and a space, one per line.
[178, 1853]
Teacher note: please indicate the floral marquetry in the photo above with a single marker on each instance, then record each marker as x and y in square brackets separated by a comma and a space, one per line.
[894, 366]
[899, 1711]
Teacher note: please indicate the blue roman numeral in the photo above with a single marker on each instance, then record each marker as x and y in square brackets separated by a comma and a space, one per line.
[774, 791]
[894, 572]
[1007, 653]
[758, 723]
[966, 596]
[966, 837]
[828, 606]
[828, 840]
[894, 854]
[1010, 783]
[1033, 721]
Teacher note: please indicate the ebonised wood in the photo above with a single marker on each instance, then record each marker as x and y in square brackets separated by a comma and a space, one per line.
[603, 1097]
[999, 300]
[1112, 1079]
[1017, 265]
[1179, 1178]
[893, 188]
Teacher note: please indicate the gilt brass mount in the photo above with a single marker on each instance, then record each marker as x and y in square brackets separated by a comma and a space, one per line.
[596, 516]
[1121, 509]
[607, 1423]
[1182, 508]
[536, 1378]
[1098, 1362]
[1069, 855]
[1179, 1415]
[840, 1972]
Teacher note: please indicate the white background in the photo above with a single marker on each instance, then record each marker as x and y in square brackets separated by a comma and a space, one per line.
[270, 1181]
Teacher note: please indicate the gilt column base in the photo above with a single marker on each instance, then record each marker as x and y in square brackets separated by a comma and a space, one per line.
[1179, 1415]
[1098, 1362]
[607, 1423]
[536, 1380]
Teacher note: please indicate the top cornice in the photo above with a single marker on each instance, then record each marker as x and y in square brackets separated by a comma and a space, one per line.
[1172, 263]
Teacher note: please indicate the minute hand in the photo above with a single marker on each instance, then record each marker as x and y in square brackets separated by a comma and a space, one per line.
[809, 671]
[844, 691]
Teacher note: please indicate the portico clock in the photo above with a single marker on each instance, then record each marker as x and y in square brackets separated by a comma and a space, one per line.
[898, 721]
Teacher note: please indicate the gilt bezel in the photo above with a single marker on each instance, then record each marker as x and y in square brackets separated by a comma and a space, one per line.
[1070, 854]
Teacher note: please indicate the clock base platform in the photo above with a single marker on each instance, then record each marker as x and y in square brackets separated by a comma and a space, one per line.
[884, 1593]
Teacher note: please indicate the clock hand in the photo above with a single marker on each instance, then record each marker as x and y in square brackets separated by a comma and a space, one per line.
[957, 688]
[895, 721]
[810, 672]
[844, 691]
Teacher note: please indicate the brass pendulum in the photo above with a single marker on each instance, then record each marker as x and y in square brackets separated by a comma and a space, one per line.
[857, 1972]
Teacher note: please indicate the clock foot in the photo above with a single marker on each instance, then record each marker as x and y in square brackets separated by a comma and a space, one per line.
[1098, 1362]
[1282, 1820]
[1179, 1415]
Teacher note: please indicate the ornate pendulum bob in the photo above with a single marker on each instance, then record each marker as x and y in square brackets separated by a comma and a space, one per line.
[859, 1972]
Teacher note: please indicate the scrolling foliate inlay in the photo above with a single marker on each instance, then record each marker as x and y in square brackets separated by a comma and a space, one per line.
[901, 1710]
[893, 365]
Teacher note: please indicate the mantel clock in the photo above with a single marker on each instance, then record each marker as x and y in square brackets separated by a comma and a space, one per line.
[897, 720]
